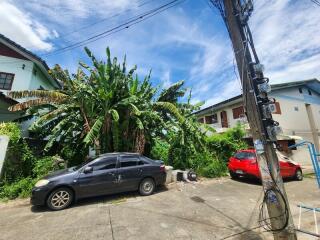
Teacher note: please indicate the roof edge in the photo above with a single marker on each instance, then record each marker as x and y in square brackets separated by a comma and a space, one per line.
[31, 56]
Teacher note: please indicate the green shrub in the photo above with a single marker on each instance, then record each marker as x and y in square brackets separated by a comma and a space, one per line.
[11, 130]
[45, 165]
[160, 150]
[226, 144]
[19, 159]
[215, 169]
[21, 188]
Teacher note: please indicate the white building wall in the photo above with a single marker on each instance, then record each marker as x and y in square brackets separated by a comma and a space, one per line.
[231, 121]
[293, 118]
[27, 76]
[22, 77]
[38, 80]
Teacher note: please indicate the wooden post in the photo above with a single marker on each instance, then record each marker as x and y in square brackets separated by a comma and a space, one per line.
[266, 155]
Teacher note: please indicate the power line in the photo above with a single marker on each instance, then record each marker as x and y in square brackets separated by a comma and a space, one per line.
[120, 27]
[142, 3]
[316, 2]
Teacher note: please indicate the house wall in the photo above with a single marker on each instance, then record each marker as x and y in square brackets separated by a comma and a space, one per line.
[29, 78]
[231, 121]
[38, 80]
[293, 118]
[22, 77]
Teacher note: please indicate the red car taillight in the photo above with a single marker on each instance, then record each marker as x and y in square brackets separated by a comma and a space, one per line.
[162, 168]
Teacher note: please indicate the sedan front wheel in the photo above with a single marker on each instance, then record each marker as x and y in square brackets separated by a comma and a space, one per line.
[60, 199]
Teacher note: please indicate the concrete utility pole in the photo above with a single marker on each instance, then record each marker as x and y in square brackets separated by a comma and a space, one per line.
[259, 110]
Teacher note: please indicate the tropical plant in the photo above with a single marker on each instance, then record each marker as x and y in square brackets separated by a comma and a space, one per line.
[102, 105]
[226, 144]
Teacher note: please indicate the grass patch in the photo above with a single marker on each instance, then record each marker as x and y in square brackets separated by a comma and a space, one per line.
[309, 175]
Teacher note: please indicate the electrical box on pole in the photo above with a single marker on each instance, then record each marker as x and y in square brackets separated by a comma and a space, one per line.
[259, 110]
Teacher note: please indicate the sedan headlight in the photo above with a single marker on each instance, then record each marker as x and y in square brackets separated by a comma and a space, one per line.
[42, 182]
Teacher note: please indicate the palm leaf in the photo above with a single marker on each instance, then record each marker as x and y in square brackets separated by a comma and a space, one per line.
[51, 95]
[94, 131]
[29, 103]
[171, 108]
[115, 115]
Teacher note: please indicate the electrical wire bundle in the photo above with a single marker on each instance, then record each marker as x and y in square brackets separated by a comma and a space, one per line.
[272, 193]
[124, 25]
[269, 195]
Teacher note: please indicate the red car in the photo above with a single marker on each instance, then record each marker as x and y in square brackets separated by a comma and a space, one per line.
[244, 163]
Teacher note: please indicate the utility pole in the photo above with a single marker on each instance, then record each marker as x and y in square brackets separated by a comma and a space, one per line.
[258, 108]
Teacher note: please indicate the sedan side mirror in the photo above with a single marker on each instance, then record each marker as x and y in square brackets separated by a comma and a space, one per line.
[88, 170]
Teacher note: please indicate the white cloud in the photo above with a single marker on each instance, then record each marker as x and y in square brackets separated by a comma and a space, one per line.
[223, 92]
[69, 13]
[285, 33]
[165, 79]
[22, 28]
[287, 38]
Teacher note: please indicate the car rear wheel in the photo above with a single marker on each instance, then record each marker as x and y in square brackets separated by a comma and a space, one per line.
[233, 175]
[59, 199]
[299, 175]
[147, 187]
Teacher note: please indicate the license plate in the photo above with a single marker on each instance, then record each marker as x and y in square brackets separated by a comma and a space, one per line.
[239, 171]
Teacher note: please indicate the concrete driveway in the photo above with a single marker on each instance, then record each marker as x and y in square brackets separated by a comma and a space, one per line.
[211, 209]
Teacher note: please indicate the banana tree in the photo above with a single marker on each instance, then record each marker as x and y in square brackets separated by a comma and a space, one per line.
[102, 105]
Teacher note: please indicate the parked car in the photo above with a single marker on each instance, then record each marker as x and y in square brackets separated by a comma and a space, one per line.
[107, 174]
[244, 164]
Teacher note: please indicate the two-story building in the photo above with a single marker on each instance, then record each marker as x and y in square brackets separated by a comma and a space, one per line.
[297, 111]
[20, 69]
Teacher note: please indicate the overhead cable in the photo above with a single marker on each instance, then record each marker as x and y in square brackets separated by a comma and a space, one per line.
[120, 27]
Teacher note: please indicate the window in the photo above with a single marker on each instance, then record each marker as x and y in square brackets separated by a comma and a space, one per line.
[300, 90]
[6, 80]
[309, 92]
[278, 109]
[104, 163]
[238, 112]
[129, 161]
[245, 155]
[296, 109]
[141, 162]
[211, 119]
[201, 120]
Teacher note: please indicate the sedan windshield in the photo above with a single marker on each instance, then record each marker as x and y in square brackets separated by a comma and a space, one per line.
[245, 155]
[79, 166]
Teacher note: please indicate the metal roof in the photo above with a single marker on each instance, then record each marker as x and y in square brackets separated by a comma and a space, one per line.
[220, 104]
[313, 84]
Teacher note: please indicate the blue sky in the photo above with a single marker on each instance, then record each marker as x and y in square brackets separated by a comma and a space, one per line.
[188, 42]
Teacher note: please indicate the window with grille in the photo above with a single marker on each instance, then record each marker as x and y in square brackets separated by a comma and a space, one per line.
[211, 119]
[6, 80]
[238, 112]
